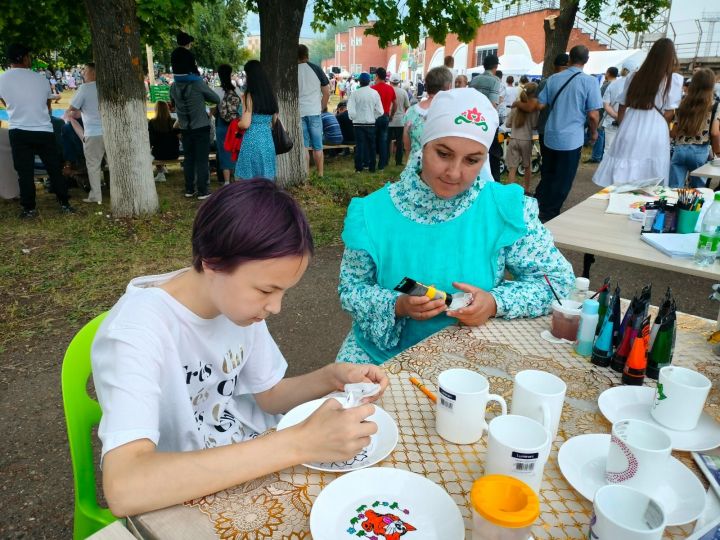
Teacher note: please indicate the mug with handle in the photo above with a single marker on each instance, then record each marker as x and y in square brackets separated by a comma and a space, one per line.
[680, 398]
[539, 395]
[460, 410]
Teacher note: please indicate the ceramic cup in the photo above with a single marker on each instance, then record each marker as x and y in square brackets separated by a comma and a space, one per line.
[518, 446]
[680, 398]
[460, 411]
[539, 395]
[639, 453]
[623, 513]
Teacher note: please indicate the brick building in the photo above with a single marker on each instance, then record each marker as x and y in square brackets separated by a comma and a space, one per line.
[521, 34]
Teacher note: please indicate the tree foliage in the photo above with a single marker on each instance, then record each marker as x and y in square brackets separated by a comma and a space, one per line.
[406, 19]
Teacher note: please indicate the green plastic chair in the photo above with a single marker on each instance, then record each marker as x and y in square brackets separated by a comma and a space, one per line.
[82, 413]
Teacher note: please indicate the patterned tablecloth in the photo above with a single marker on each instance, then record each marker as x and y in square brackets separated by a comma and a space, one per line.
[278, 506]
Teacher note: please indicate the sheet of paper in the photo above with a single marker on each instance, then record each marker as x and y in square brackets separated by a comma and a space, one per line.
[673, 245]
[626, 203]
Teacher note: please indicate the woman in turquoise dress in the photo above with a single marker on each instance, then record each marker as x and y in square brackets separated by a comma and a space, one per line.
[258, 111]
[444, 223]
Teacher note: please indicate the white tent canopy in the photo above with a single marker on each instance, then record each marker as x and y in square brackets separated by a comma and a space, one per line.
[600, 61]
[513, 64]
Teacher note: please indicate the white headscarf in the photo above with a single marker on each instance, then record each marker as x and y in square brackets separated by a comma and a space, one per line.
[461, 112]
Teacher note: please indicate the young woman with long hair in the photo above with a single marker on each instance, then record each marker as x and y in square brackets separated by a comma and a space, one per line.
[164, 142]
[259, 109]
[641, 150]
[519, 148]
[697, 124]
[227, 110]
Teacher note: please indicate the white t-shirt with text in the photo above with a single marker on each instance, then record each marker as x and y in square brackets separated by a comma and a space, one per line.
[165, 374]
[26, 94]
[86, 100]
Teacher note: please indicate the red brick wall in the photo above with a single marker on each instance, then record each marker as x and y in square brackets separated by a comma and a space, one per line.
[528, 26]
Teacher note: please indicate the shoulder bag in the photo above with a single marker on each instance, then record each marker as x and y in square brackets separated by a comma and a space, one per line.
[281, 139]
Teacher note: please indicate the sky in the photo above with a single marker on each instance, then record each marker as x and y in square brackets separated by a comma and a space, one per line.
[682, 14]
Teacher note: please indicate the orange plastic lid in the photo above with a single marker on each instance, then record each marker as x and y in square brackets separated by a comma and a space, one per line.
[505, 501]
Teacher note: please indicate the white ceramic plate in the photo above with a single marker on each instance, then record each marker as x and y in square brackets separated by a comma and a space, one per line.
[582, 461]
[383, 500]
[634, 402]
[383, 442]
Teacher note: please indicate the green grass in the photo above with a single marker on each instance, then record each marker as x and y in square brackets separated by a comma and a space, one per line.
[57, 272]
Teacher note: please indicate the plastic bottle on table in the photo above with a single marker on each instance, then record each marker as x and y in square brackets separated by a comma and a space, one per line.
[586, 330]
[580, 292]
[707, 248]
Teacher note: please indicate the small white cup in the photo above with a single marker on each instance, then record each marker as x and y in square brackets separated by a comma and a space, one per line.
[539, 395]
[460, 410]
[639, 453]
[680, 398]
[623, 513]
[518, 446]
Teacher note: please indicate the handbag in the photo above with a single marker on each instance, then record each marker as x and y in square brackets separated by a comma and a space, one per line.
[233, 139]
[281, 139]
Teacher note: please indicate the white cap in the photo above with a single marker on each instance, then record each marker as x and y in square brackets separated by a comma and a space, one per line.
[461, 112]
[631, 65]
[394, 78]
[582, 284]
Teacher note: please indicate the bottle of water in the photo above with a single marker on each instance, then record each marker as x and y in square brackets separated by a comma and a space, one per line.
[707, 248]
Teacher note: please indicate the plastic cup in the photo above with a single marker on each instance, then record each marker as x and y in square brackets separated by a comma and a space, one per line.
[687, 220]
[565, 319]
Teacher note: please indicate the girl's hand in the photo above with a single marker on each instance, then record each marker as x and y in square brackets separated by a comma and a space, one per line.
[332, 433]
[420, 308]
[482, 308]
[344, 373]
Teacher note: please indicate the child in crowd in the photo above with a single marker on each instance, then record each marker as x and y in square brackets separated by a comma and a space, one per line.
[164, 138]
[184, 365]
[519, 148]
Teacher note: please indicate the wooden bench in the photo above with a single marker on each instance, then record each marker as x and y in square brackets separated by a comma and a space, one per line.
[338, 147]
[180, 159]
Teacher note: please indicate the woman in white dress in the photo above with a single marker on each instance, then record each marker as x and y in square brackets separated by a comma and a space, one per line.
[641, 150]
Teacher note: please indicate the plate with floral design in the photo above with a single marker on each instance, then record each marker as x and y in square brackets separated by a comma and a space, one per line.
[381, 503]
[381, 445]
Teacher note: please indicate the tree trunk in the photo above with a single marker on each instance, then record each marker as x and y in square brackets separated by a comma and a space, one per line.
[280, 23]
[557, 33]
[121, 92]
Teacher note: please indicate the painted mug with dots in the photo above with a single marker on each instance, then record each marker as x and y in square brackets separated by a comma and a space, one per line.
[638, 456]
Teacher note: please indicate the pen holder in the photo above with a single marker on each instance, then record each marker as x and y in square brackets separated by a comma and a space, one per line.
[687, 220]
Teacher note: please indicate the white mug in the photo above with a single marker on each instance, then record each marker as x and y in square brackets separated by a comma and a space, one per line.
[518, 446]
[638, 455]
[539, 395]
[623, 513]
[680, 398]
[460, 410]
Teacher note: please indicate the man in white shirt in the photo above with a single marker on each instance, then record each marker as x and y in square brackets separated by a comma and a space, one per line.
[364, 107]
[86, 101]
[511, 94]
[396, 126]
[611, 104]
[27, 95]
[313, 96]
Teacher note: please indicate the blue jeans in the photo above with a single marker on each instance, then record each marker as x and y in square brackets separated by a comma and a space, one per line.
[599, 146]
[686, 158]
[196, 147]
[381, 140]
[312, 131]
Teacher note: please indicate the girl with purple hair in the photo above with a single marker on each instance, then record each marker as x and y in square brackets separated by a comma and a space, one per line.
[184, 365]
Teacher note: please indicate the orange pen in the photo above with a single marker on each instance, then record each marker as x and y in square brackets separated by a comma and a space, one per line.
[424, 389]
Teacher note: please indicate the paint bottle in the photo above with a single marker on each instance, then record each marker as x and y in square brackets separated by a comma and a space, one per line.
[602, 349]
[586, 330]
[636, 364]
[580, 293]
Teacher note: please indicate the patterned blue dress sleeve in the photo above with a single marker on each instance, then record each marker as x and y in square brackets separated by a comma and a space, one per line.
[533, 255]
[371, 306]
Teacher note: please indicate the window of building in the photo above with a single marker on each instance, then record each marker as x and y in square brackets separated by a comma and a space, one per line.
[356, 68]
[483, 52]
[357, 42]
[340, 47]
